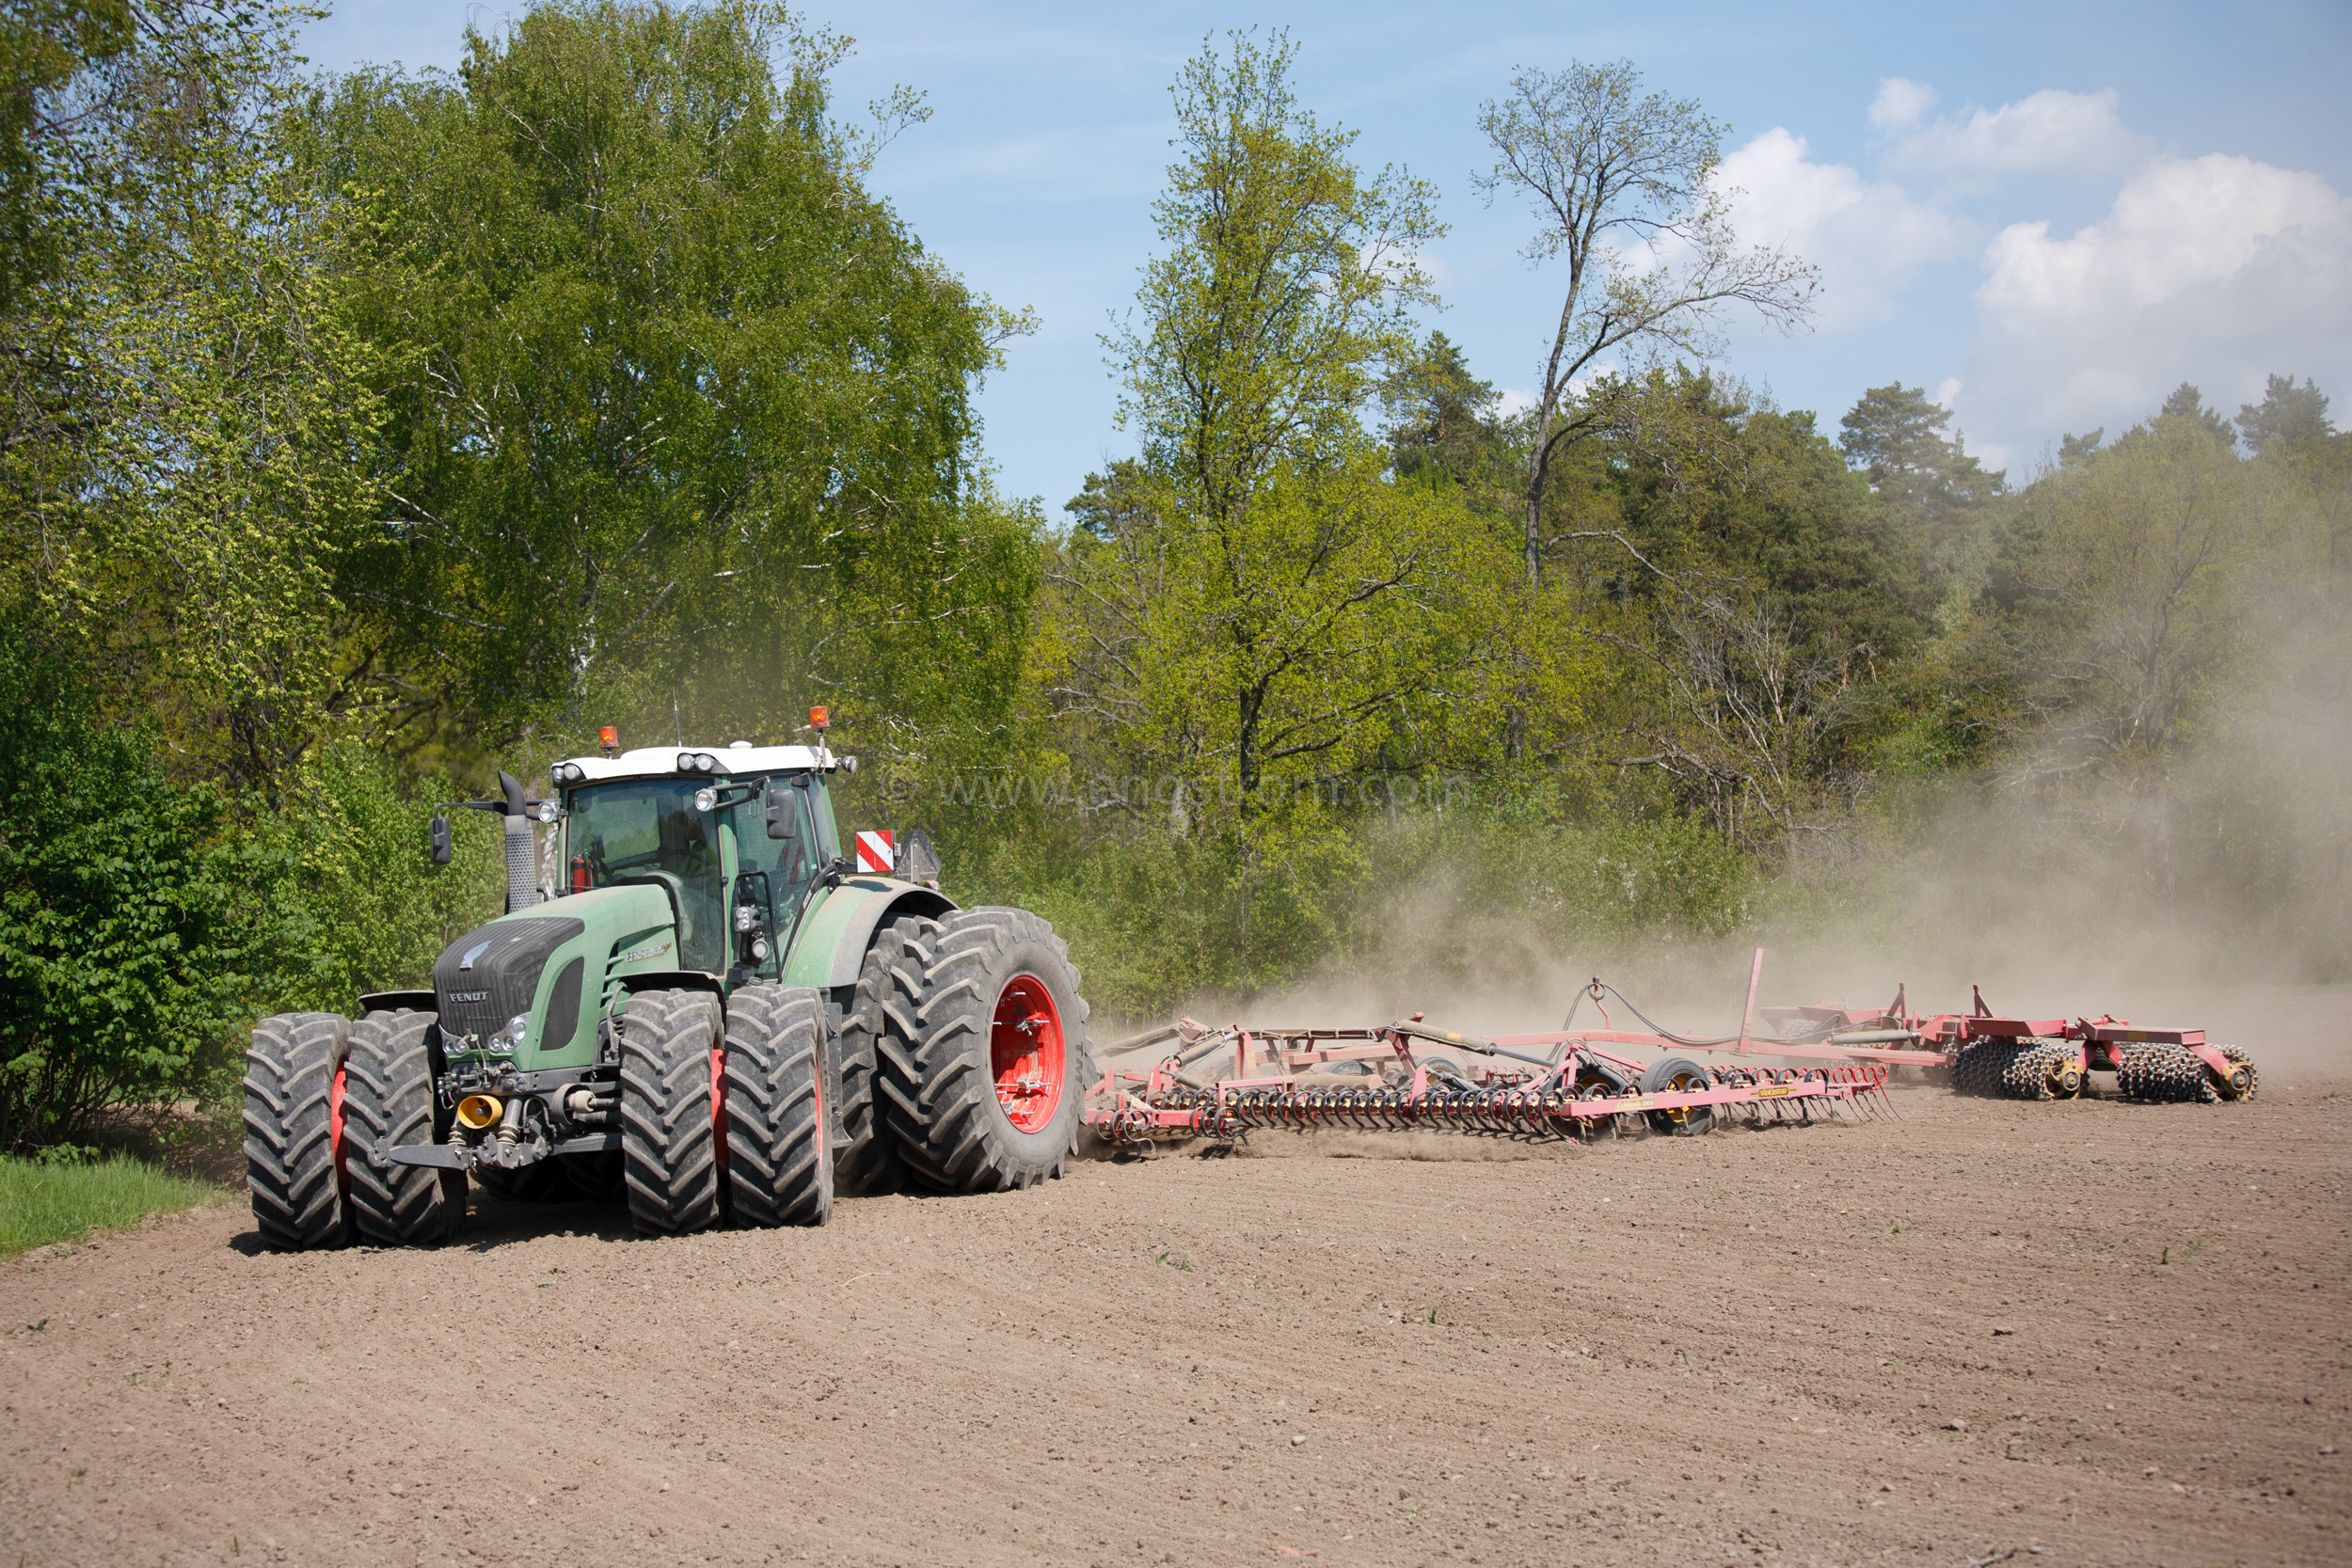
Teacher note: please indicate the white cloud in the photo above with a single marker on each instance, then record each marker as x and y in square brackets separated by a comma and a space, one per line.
[1947, 391]
[2176, 224]
[2215, 270]
[1868, 239]
[1900, 104]
[2050, 132]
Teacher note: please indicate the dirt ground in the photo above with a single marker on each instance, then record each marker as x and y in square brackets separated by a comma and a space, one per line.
[2089, 1333]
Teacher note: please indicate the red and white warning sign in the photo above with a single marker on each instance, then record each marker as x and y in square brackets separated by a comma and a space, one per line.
[875, 851]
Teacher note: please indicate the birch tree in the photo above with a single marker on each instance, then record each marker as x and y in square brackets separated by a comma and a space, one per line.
[1623, 188]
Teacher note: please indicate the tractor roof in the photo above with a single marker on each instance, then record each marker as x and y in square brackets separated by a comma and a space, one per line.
[739, 761]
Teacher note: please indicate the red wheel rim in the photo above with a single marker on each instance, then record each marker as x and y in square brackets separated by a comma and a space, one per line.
[718, 1106]
[335, 1127]
[1025, 1053]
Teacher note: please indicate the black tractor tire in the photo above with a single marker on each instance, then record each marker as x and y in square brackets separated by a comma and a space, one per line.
[387, 1101]
[669, 1129]
[779, 1164]
[1679, 1075]
[293, 1161]
[869, 1163]
[974, 989]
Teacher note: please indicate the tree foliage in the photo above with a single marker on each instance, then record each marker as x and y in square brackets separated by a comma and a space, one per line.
[184, 406]
[1287, 285]
[1898, 439]
[1253, 605]
[130, 936]
[669, 391]
[2124, 575]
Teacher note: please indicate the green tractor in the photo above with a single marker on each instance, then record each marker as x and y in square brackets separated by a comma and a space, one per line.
[714, 1016]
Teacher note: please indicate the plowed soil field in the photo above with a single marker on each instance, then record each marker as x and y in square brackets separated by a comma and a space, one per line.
[2086, 1333]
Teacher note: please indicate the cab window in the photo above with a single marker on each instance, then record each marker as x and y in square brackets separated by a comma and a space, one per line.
[648, 830]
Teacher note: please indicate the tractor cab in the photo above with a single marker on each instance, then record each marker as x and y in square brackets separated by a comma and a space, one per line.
[734, 839]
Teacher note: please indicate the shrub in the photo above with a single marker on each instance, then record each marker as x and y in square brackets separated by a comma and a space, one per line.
[363, 908]
[132, 929]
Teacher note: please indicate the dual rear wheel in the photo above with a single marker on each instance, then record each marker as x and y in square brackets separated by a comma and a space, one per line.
[981, 1065]
[962, 1067]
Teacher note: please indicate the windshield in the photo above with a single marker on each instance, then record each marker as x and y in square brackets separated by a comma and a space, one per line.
[648, 830]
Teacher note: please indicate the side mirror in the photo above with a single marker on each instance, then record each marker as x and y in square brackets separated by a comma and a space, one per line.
[784, 813]
[440, 839]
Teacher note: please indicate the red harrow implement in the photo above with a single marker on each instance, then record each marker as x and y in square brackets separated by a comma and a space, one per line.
[1571, 1085]
[2018, 1058]
[2021, 1059]
[1375, 1079]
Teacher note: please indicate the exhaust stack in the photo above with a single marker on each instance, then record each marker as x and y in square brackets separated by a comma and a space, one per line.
[522, 883]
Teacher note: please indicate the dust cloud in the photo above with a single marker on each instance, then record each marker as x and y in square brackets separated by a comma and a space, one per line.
[2209, 886]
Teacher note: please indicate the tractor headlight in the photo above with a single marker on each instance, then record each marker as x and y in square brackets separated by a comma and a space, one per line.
[568, 773]
[747, 918]
[547, 811]
[759, 950]
[705, 799]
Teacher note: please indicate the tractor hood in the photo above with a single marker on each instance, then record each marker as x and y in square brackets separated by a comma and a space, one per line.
[552, 966]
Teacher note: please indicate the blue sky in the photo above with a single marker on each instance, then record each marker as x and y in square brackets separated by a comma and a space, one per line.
[2046, 214]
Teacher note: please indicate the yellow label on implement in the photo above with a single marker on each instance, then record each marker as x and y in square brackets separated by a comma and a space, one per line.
[1774, 1093]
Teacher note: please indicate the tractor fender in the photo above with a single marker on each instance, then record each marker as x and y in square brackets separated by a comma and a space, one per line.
[394, 1001]
[830, 948]
[667, 979]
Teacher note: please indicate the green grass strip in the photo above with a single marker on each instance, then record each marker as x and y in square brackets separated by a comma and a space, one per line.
[44, 1203]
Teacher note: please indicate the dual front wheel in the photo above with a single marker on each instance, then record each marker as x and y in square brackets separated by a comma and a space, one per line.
[324, 1096]
[722, 1109]
[705, 1131]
